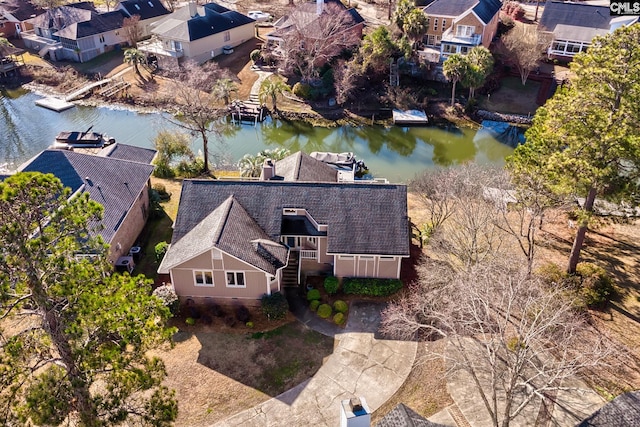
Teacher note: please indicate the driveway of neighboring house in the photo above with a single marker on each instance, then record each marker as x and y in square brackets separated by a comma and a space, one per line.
[362, 365]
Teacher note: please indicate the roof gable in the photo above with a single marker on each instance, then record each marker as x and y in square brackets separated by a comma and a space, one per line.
[63, 16]
[115, 184]
[145, 9]
[452, 8]
[362, 218]
[231, 229]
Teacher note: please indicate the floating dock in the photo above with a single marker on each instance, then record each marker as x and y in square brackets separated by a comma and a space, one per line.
[248, 111]
[410, 117]
[54, 104]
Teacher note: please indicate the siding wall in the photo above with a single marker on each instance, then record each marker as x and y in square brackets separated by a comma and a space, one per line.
[368, 266]
[256, 284]
[131, 227]
[200, 50]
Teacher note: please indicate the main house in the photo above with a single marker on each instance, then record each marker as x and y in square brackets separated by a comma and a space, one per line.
[238, 239]
[197, 33]
[456, 26]
[117, 178]
[574, 25]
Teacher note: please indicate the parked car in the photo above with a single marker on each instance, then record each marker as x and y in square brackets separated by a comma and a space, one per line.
[259, 15]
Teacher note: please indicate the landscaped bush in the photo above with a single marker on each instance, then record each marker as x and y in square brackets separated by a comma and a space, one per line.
[162, 192]
[190, 169]
[274, 306]
[216, 310]
[230, 321]
[340, 306]
[324, 311]
[190, 321]
[313, 294]
[169, 298]
[163, 170]
[255, 55]
[331, 285]
[596, 285]
[249, 325]
[338, 318]
[313, 305]
[242, 314]
[160, 249]
[371, 287]
[302, 90]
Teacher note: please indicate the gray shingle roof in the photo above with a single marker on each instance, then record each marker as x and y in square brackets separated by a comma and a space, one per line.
[129, 152]
[577, 22]
[403, 416]
[64, 16]
[145, 9]
[623, 411]
[231, 229]
[211, 19]
[98, 24]
[362, 218]
[21, 9]
[302, 167]
[305, 15]
[113, 183]
[451, 8]
[485, 9]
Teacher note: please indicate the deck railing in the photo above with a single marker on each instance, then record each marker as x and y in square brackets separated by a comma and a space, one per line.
[307, 254]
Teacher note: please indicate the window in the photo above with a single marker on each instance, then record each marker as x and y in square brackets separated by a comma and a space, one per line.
[444, 24]
[227, 36]
[235, 279]
[101, 38]
[177, 46]
[431, 40]
[438, 39]
[366, 257]
[435, 24]
[465, 30]
[464, 50]
[312, 240]
[449, 48]
[428, 22]
[203, 278]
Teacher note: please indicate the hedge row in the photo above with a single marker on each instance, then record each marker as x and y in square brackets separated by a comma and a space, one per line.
[371, 287]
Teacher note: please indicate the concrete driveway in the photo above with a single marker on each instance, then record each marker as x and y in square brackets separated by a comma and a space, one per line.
[360, 366]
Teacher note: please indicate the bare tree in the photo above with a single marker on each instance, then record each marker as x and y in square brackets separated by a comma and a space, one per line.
[435, 189]
[525, 44]
[132, 30]
[197, 113]
[313, 40]
[516, 338]
[345, 77]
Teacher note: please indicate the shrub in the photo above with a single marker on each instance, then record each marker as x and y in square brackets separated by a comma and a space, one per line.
[340, 306]
[274, 306]
[190, 169]
[169, 298]
[551, 273]
[371, 287]
[302, 90]
[513, 10]
[596, 285]
[216, 310]
[163, 170]
[324, 311]
[255, 55]
[338, 318]
[162, 192]
[249, 325]
[230, 321]
[242, 314]
[331, 285]
[313, 294]
[190, 321]
[313, 306]
[206, 319]
[160, 250]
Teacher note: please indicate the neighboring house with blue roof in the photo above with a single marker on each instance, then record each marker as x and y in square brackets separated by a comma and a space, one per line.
[197, 33]
[574, 25]
[456, 26]
[244, 239]
[149, 12]
[120, 185]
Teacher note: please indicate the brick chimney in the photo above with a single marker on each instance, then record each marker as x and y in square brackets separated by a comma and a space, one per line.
[319, 7]
[193, 8]
[268, 170]
[355, 413]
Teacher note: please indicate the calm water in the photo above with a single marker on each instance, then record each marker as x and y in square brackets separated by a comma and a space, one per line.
[395, 153]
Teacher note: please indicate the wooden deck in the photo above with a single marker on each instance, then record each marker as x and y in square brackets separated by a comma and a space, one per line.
[248, 111]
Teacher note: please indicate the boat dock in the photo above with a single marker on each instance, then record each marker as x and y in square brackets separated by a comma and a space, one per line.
[248, 111]
[409, 117]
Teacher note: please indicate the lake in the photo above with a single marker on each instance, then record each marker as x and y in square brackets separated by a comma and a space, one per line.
[395, 153]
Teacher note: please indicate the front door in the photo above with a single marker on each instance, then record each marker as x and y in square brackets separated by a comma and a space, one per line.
[291, 242]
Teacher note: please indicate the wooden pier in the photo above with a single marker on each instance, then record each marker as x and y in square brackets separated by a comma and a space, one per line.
[248, 111]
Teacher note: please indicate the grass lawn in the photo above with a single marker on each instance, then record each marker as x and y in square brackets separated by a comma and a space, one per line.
[512, 97]
[217, 373]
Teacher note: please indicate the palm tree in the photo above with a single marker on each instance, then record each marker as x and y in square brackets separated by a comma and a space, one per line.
[272, 88]
[135, 57]
[223, 88]
[455, 68]
[481, 64]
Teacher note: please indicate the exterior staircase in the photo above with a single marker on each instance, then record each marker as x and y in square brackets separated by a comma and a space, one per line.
[290, 272]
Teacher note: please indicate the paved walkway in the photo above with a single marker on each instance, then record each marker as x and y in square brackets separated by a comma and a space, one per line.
[361, 366]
